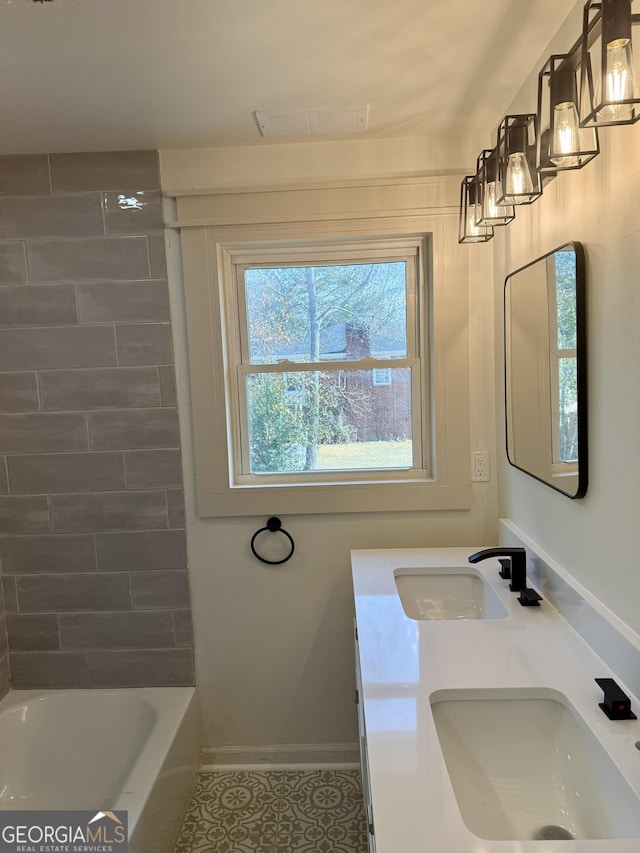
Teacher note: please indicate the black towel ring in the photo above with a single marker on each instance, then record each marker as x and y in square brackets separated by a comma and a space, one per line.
[274, 525]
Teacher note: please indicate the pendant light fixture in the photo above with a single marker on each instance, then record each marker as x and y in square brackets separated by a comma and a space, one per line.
[489, 190]
[516, 152]
[468, 229]
[607, 44]
[563, 144]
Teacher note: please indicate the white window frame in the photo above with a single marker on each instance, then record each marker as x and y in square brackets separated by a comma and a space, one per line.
[214, 225]
[237, 260]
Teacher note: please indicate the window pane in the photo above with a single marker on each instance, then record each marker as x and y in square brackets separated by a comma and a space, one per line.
[568, 410]
[330, 313]
[329, 420]
[566, 299]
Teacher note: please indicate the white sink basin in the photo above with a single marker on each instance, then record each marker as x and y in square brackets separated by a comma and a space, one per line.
[447, 593]
[524, 765]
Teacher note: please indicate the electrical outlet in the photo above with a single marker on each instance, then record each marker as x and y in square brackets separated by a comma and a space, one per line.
[480, 466]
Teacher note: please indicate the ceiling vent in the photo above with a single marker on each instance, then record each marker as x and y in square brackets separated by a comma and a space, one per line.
[281, 123]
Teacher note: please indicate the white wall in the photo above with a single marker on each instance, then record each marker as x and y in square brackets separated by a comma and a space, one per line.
[596, 538]
[274, 647]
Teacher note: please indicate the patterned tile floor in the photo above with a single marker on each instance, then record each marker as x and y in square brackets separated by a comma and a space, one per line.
[278, 811]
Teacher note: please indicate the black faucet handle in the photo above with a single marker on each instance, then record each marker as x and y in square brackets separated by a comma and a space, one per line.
[505, 571]
[616, 705]
[529, 597]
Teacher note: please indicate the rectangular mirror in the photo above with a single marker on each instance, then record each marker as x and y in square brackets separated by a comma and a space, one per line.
[545, 370]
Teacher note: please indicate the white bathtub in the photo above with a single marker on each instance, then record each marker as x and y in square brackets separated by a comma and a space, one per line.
[94, 749]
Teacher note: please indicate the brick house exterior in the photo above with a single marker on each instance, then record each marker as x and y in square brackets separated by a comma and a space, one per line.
[381, 407]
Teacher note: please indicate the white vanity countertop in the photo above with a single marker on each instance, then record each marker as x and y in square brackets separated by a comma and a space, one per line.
[403, 661]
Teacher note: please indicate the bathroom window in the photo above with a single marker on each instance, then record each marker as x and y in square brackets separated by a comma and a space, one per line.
[319, 330]
[328, 363]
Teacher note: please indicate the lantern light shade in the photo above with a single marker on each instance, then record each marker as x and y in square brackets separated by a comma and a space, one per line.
[562, 143]
[609, 84]
[468, 229]
[516, 151]
[488, 190]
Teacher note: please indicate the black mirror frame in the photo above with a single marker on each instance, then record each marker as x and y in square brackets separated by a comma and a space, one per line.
[581, 368]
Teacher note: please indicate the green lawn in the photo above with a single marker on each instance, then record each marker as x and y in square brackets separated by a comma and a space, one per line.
[365, 454]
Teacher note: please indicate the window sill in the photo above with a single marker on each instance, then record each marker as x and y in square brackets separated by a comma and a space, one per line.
[318, 498]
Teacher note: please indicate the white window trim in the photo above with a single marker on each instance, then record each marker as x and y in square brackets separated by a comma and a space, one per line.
[412, 253]
[204, 247]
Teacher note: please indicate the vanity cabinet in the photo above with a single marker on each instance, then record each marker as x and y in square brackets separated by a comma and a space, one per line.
[362, 740]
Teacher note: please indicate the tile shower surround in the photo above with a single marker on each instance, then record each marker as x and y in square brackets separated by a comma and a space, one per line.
[92, 542]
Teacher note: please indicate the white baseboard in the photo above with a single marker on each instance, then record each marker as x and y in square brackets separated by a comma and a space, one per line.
[302, 756]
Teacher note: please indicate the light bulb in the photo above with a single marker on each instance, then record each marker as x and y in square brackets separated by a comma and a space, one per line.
[518, 183]
[473, 229]
[492, 212]
[566, 136]
[490, 207]
[619, 83]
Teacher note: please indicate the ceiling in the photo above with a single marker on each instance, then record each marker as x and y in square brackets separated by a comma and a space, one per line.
[82, 75]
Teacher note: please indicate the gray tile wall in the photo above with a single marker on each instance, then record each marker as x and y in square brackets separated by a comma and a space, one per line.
[4, 648]
[92, 543]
